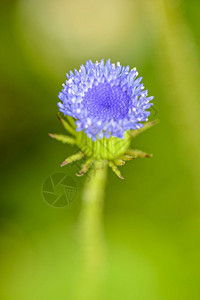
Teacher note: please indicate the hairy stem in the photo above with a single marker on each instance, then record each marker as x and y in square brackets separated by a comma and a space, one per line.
[91, 234]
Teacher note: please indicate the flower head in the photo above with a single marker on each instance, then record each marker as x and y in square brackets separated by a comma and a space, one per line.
[104, 106]
[105, 99]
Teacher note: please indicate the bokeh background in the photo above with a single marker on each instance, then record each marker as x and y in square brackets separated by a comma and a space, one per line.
[152, 218]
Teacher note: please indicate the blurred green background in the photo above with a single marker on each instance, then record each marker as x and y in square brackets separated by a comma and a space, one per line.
[152, 218]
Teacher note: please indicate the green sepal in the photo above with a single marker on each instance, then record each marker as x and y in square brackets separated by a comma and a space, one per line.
[108, 149]
[63, 138]
[85, 166]
[127, 157]
[66, 125]
[134, 133]
[115, 169]
[137, 153]
[77, 156]
[71, 121]
[119, 162]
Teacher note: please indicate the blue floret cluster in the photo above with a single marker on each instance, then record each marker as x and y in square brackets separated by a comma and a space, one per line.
[105, 99]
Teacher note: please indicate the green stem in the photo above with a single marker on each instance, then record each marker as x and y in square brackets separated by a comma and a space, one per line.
[91, 234]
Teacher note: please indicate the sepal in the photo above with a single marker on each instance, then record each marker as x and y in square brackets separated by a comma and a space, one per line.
[134, 133]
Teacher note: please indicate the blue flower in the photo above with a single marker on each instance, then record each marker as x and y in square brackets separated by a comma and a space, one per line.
[105, 99]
